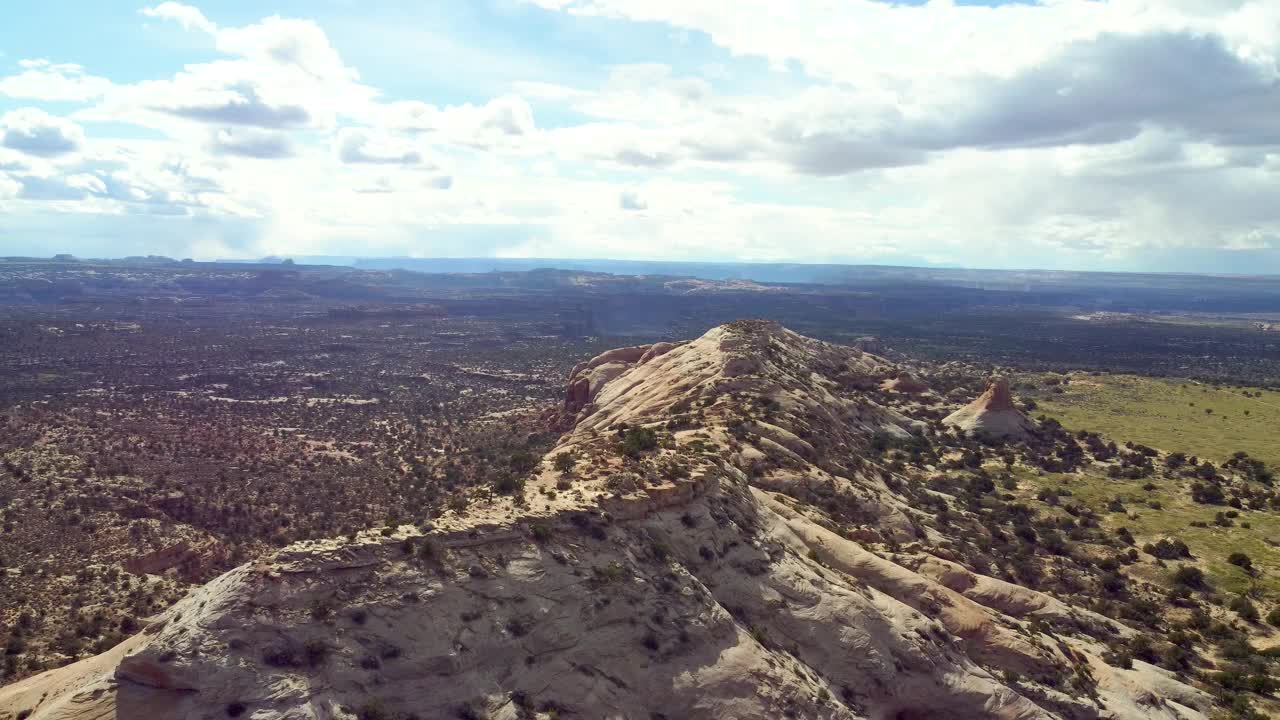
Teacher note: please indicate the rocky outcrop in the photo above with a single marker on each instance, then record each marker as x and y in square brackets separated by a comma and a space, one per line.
[682, 577]
[190, 561]
[992, 414]
[905, 383]
[586, 379]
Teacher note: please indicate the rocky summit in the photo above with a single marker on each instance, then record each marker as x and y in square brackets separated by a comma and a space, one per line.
[713, 536]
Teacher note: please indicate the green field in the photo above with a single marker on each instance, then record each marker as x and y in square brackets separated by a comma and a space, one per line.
[1170, 415]
[1210, 545]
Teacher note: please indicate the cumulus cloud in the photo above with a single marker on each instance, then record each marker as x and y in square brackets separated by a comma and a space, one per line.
[357, 145]
[250, 142]
[504, 121]
[1089, 130]
[288, 43]
[190, 18]
[60, 187]
[36, 132]
[508, 115]
[54, 82]
[242, 102]
[1107, 88]
[1069, 73]
[279, 73]
[11, 161]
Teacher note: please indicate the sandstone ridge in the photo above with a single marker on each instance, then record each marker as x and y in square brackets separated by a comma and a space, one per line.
[695, 559]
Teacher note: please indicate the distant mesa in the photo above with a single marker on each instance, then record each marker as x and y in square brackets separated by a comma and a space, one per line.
[992, 414]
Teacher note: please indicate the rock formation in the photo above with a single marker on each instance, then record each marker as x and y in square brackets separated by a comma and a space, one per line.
[905, 383]
[992, 414]
[696, 562]
[586, 379]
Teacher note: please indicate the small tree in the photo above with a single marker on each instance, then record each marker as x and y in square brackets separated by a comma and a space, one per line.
[637, 441]
[564, 462]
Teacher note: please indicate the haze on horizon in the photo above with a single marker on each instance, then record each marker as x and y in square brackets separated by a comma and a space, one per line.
[1065, 134]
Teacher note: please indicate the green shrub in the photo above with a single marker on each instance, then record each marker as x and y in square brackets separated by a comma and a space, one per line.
[508, 484]
[636, 441]
[1241, 560]
[1189, 576]
[564, 462]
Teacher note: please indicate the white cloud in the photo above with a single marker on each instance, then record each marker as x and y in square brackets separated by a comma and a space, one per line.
[250, 142]
[1089, 130]
[189, 17]
[43, 80]
[288, 44]
[36, 132]
[280, 74]
[357, 145]
[503, 122]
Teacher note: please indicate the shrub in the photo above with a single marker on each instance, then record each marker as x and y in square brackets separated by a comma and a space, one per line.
[1244, 608]
[319, 610]
[508, 484]
[1241, 560]
[281, 657]
[523, 462]
[1261, 684]
[317, 651]
[609, 573]
[650, 641]
[1167, 549]
[564, 462]
[1190, 577]
[1273, 617]
[541, 532]
[1208, 494]
[636, 441]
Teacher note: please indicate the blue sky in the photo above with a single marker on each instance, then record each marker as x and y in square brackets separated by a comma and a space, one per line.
[1083, 134]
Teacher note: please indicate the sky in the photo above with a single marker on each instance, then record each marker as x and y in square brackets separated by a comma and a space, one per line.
[1070, 134]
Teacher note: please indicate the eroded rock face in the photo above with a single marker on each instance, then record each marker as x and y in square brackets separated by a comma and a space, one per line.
[690, 582]
[189, 561]
[992, 413]
[586, 379]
